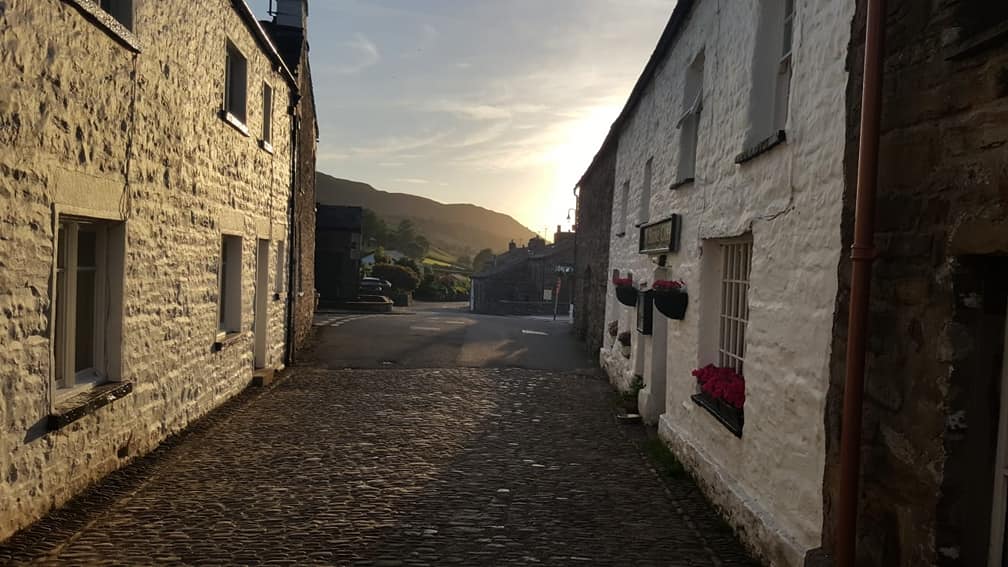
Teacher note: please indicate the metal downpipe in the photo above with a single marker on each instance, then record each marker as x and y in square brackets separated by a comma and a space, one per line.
[862, 256]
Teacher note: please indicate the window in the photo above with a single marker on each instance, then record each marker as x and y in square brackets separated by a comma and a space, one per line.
[624, 205]
[772, 62]
[87, 333]
[644, 207]
[689, 123]
[235, 84]
[736, 258]
[267, 113]
[230, 277]
[121, 10]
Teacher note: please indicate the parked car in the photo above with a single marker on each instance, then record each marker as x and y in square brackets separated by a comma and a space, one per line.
[375, 286]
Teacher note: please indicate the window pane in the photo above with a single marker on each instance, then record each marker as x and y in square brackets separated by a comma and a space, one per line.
[60, 322]
[86, 255]
[84, 339]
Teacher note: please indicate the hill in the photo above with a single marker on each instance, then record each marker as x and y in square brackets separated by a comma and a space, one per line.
[454, 228]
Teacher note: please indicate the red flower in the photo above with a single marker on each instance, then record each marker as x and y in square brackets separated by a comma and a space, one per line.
[668, 285]
[722, 384]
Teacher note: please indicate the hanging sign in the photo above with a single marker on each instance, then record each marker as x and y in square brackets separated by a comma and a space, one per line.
[660, 237]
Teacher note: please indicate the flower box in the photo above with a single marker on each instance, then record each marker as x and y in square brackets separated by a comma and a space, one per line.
[671, 303]
[722, 393]
[627, 295]
[731, 417]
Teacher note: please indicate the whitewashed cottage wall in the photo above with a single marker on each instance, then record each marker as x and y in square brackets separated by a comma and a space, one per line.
[768, 482]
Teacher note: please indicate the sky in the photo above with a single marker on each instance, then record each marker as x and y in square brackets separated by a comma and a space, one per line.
[499, 103]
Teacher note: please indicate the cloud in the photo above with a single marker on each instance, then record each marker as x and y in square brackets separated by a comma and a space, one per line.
[358, 53]
[414, 180]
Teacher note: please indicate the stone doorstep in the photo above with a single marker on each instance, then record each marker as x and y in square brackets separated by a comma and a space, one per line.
[263, 377]
[86, 403]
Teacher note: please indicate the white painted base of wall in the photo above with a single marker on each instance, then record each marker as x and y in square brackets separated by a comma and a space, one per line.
[754, 525]
[616, 366]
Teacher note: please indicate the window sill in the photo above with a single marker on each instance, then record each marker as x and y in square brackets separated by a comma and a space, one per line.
[761, 147]
[681, 183]
[225, 339]
[107, 23]
[733, 419]
[266, 146]
[235, 122]
[86, 403]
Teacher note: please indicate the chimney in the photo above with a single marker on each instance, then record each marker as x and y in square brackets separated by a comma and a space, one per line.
[512, 245]
[291, 13]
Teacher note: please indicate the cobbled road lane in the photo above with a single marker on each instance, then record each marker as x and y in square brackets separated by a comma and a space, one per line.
[393, 467]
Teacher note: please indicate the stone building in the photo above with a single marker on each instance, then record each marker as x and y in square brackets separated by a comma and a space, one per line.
[288, 29]
[729, 176]
[337, 255]
[523, 280]
[591, 251]
[736, 164]
[147, 160]
[935, 427]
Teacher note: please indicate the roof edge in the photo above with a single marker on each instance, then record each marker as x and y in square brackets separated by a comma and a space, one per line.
[665, 43]
[252, 22]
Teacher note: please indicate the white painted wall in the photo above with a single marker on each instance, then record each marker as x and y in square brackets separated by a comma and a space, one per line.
[769, 482]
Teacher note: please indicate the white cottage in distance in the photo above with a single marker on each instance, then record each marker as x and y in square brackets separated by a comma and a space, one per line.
[732, 144]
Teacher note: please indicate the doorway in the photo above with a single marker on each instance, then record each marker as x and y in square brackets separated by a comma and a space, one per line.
[260, 326]
[999, 508]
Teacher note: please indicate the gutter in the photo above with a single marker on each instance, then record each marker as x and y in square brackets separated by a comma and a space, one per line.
[291, 236]
[862, 256]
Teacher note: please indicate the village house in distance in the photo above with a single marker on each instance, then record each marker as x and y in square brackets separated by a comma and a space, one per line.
[157, 186]
[527, 280]
[729, 184]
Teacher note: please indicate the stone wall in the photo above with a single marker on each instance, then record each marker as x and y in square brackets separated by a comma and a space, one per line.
[92, 127]
[788, 199]
[938, 290]
[304, 207]
[591, 255]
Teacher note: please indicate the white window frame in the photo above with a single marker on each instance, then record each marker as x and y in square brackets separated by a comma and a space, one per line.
[782, 90]
[733, 312]
[624, 206]
[229, 276]
[689, 122]
[121, 10]
[106, 332]
[235, 85]
[267, 114]
[644, 207]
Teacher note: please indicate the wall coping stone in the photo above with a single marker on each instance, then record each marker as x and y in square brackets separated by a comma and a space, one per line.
[107, 23]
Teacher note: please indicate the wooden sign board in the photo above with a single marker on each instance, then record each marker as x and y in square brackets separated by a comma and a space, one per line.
[660, 237]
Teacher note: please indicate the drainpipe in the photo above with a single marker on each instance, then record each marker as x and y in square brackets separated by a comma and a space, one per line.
[862, 256]
[292, 246]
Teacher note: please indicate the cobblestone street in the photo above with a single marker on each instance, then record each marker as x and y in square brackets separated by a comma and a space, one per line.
[394, 467]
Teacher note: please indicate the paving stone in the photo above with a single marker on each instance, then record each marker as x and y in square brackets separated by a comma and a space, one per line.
[393, 467]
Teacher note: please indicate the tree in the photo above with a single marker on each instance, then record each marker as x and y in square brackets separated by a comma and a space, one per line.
[401, 278]
[374, 228]
[410, 263]
[482, 258]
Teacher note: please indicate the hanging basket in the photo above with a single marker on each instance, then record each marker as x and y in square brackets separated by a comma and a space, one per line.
[627, 295]
[672, 303]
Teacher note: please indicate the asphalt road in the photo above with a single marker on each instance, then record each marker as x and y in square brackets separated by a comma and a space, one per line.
[445, 335]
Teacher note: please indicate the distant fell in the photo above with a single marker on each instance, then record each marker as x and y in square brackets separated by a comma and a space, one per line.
[459, 229]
